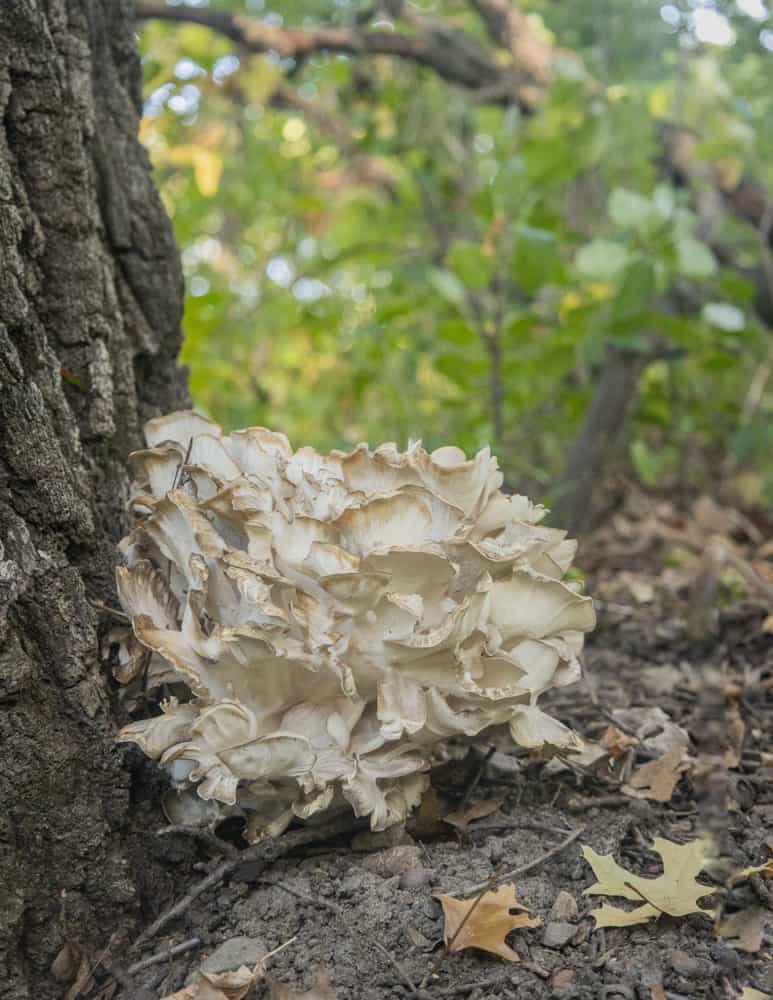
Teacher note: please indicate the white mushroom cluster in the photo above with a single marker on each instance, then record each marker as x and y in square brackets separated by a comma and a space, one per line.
[315, 625]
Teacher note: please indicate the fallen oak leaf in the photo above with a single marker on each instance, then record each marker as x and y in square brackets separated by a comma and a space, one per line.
[488, 924]
[232, 985]
[658, 778]
[675, 892]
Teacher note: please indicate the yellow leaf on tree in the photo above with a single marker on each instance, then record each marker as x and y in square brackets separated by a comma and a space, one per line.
[488, 924]
[675, 892]
[207, 168]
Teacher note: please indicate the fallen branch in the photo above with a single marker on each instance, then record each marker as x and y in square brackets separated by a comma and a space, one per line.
[166, 955]
[266, 852]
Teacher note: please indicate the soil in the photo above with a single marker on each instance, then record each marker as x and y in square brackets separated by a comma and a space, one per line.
[361, 908]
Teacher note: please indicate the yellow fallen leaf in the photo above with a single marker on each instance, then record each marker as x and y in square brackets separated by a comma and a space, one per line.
[675, 892]
[748, 993]
[488, 924]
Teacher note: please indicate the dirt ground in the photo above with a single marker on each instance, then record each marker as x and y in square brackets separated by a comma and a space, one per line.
[676, 632]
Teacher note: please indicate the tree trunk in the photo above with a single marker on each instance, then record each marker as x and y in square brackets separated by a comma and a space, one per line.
[90, 305]
[602, 424]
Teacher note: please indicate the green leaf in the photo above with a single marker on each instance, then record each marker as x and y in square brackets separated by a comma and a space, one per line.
[628, 208]
[455, 367]
[470, 262]
[724, 315]
[447, 285]
[663, 200]
[695, 259]
[601, 259]
[646, 463]
[637, 288]
[536, 258]
[456, 331]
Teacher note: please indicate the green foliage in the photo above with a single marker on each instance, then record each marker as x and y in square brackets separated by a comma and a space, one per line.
[357, 264]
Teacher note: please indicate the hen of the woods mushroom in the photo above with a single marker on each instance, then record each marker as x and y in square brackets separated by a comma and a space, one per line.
[313, 626]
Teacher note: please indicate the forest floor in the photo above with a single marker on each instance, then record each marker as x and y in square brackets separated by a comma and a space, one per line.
[681, 664]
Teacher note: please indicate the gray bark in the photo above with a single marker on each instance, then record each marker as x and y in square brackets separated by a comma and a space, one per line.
[90, 305]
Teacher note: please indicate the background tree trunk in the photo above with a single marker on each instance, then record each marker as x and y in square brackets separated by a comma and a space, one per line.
[90, 305]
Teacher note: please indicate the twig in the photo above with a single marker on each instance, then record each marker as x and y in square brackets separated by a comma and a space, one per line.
[358, 933]
[266, 852]
[164, 956]
[523, 869]
[107, 610]
[476, 778]
[600, 802]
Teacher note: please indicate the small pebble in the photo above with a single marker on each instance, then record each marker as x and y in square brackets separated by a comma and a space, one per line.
[394, 861]
[684, 964]
[416, 878]
[558, 933]
[564, 907]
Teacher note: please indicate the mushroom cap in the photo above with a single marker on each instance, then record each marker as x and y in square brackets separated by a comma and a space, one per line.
[324, 621]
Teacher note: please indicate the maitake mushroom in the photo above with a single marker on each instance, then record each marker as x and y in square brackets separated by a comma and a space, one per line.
[325, 621]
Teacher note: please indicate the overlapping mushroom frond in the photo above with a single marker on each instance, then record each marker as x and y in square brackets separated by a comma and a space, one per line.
[326, 620]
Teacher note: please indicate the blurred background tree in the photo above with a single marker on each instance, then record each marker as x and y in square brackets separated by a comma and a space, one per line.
[543, 226]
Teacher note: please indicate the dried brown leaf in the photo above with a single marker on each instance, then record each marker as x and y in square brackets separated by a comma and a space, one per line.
[488, 924]
[233, 985]
[461, 818]
[658, 778]
[616, 742]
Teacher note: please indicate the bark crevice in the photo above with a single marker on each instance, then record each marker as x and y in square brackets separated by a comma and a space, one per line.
[90, 295]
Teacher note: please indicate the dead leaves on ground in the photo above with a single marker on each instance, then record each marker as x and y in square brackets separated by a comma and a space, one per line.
[485, 922]
[233, 985]
[675, 892]
[658, 778]
[237, 984]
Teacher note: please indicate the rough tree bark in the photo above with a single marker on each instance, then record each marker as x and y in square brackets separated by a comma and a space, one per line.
[90, 306]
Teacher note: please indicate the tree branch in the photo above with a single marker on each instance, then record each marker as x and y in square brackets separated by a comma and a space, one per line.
[453, 55]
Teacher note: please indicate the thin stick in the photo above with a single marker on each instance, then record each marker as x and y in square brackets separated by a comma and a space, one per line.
[164, 956]
[267, 851]
[523, 869]
[476, 778]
